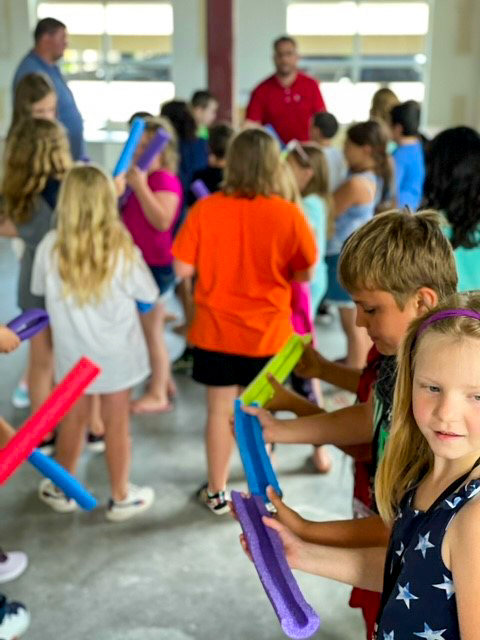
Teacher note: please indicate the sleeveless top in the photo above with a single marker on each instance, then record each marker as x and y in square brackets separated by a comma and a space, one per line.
[356, 215]
[422, 603]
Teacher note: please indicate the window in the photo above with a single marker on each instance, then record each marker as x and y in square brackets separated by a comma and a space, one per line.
[120, 53]
[356, 47]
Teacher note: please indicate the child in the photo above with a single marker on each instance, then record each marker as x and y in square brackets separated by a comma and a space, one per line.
[35, 97]
[397, 266]
[193, 150]
[219, 138]
[323, 129]
[91, 275]
[452, 186]
[408, 156]
[150, 214]
[37, 157]
[383, 102]
[204, 107]
[426, 488]
[242, 290]
[354, 204]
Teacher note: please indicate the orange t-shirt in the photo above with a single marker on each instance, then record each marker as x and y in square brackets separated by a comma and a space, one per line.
[245, 252]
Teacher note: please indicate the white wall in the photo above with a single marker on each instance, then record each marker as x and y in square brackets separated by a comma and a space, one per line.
[189, 47]
[453, 92]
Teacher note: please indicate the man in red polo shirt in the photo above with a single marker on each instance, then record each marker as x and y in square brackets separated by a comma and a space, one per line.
[288, 99]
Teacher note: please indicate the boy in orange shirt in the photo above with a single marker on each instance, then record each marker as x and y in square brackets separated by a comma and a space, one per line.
[244, 245]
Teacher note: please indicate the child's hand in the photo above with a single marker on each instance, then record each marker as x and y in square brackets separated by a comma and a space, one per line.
[136, 178]
[120, 183]
[285, 515]
[273, 430]
[9, 340]
[280, 401]
[311, 363]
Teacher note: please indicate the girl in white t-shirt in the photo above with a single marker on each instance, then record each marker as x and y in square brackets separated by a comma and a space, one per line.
[91, 274]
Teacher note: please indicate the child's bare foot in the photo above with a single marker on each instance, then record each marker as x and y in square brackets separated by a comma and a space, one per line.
[151, 403]
[321, 460]
[171, 388]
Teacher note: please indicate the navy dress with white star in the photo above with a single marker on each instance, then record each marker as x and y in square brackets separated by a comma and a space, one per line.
[422, 603]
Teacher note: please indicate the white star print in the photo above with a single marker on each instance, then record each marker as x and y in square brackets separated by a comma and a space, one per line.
[389, 636]
[405, 595]
[429, 634]
[453, 503]
[474, 492]
[447, 585]
[424, 544]
[401, 549]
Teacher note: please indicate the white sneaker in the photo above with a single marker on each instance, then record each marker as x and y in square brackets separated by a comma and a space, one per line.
[138, 500]
[12, 565]
[20, 397]
[14, 619]
[55, 498]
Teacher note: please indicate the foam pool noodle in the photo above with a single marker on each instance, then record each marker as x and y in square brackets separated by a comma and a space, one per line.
[29, 323]
[47, 417]
[199, 189]
[128, 151]
[256, 462]
[297, 618]
[260, 391]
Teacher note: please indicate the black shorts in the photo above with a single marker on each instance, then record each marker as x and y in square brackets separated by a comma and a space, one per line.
[217, 369]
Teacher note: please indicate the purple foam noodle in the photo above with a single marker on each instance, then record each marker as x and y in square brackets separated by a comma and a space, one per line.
[157, 144]
[297, 618]
[29, 323]
[199, 189]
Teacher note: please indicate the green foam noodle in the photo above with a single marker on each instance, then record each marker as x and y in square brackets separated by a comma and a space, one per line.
[260, 391]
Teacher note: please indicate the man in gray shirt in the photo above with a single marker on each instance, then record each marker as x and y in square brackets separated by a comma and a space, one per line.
[50, 42]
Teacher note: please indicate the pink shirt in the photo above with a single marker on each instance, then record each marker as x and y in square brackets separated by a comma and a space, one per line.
[155, 245]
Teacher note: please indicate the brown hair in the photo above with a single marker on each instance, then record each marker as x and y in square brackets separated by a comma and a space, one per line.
[400, 253]
[31, 89]
[170, 152]
[37, 150]
[383, 102]
[372, 134]
[253, 165]
[408, 456]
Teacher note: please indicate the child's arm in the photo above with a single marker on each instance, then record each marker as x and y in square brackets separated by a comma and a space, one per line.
[352, 425]
[359, 567]
[159, 207]
[6, 432]
[183, 270]
[464, 562]
[313, 365]
[284, 399]
[7, 228]
[9, 340]
[352, 534]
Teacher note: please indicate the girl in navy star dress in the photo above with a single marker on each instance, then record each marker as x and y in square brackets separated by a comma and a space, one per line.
[426, 487]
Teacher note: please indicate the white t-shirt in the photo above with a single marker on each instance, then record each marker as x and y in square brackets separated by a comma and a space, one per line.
[337, 167]
[108, 332]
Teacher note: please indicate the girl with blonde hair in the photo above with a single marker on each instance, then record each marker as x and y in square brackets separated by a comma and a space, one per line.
[91, 274]
[151, 214]
[426, 488]
[244, 245]
[37, 156]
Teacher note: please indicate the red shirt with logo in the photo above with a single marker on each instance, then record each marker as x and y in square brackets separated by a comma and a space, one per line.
[287, 109]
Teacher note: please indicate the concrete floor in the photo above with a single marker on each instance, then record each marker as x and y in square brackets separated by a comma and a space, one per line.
[178, 572]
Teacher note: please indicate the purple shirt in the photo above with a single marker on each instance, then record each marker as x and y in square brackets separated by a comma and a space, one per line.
[155, 245]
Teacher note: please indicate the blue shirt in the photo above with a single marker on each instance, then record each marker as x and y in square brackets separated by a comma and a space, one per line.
[68, 112]
[409, 174]
[467, 261]
[315, 209]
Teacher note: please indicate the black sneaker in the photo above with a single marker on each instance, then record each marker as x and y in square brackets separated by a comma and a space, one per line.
[95, 444]
[184, 364]
[47, 447]
[14, 619]
[216, 502]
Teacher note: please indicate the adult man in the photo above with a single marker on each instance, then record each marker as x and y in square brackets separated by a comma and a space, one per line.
[50, 42]
[288, 99]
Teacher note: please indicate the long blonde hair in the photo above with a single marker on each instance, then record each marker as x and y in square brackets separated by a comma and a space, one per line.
[408, 456]
[90, 235]
[37, 150]
[253, 165]
[310, 155]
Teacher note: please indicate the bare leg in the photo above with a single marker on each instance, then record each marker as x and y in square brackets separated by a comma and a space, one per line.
[156, 397]
[219, 438]
[40, 368]
[96, 426]
[71, 434]
[115, 414]
[358, 341]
